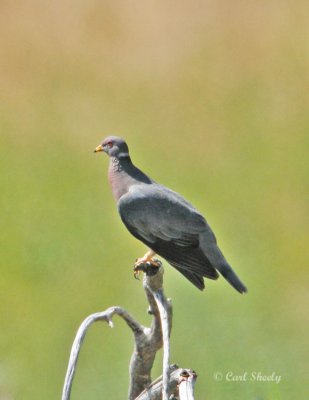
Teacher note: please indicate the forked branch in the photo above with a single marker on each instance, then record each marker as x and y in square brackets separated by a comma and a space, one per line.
[147, 342]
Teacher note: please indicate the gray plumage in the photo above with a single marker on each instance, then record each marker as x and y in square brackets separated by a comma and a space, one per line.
[164, 220]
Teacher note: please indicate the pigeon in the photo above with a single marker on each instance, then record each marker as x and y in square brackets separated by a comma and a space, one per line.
[164, 221]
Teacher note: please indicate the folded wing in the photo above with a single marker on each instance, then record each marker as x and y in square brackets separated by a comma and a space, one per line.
[170, 226]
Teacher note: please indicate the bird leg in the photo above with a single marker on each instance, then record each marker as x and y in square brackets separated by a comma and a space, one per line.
[148, 257]
[146, 261]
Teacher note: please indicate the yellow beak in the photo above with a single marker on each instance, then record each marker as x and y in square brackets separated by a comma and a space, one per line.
[98, 148]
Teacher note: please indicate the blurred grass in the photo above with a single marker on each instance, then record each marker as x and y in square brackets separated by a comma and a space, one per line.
[212, 98]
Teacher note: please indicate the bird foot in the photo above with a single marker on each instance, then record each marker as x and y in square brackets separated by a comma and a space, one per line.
[147, 265]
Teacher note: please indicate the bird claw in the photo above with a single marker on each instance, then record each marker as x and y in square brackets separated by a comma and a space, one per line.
[141, 267]
[136, 272]
[149, 267]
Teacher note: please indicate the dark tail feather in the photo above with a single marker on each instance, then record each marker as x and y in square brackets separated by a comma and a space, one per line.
[197, 280]
[227, 272]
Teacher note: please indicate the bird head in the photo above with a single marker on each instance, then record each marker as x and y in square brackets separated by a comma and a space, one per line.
[113, 146]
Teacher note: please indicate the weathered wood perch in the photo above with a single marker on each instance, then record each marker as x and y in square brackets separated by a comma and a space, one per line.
[175, 383]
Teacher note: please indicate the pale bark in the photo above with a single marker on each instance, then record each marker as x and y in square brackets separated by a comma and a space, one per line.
[148, 340]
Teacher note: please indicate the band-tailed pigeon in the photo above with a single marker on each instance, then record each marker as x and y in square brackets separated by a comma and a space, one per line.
[163, 220]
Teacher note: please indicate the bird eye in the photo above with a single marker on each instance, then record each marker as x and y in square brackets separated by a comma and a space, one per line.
[110, 144]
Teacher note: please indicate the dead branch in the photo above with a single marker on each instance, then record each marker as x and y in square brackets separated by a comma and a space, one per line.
[165, 311]
[154, 391]
[186, 384]
[80, 335]
[147, 342]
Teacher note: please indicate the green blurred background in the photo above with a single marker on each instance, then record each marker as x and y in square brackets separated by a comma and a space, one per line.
[212, 97]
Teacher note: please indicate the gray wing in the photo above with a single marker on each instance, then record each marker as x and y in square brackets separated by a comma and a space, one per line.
[171, 226]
